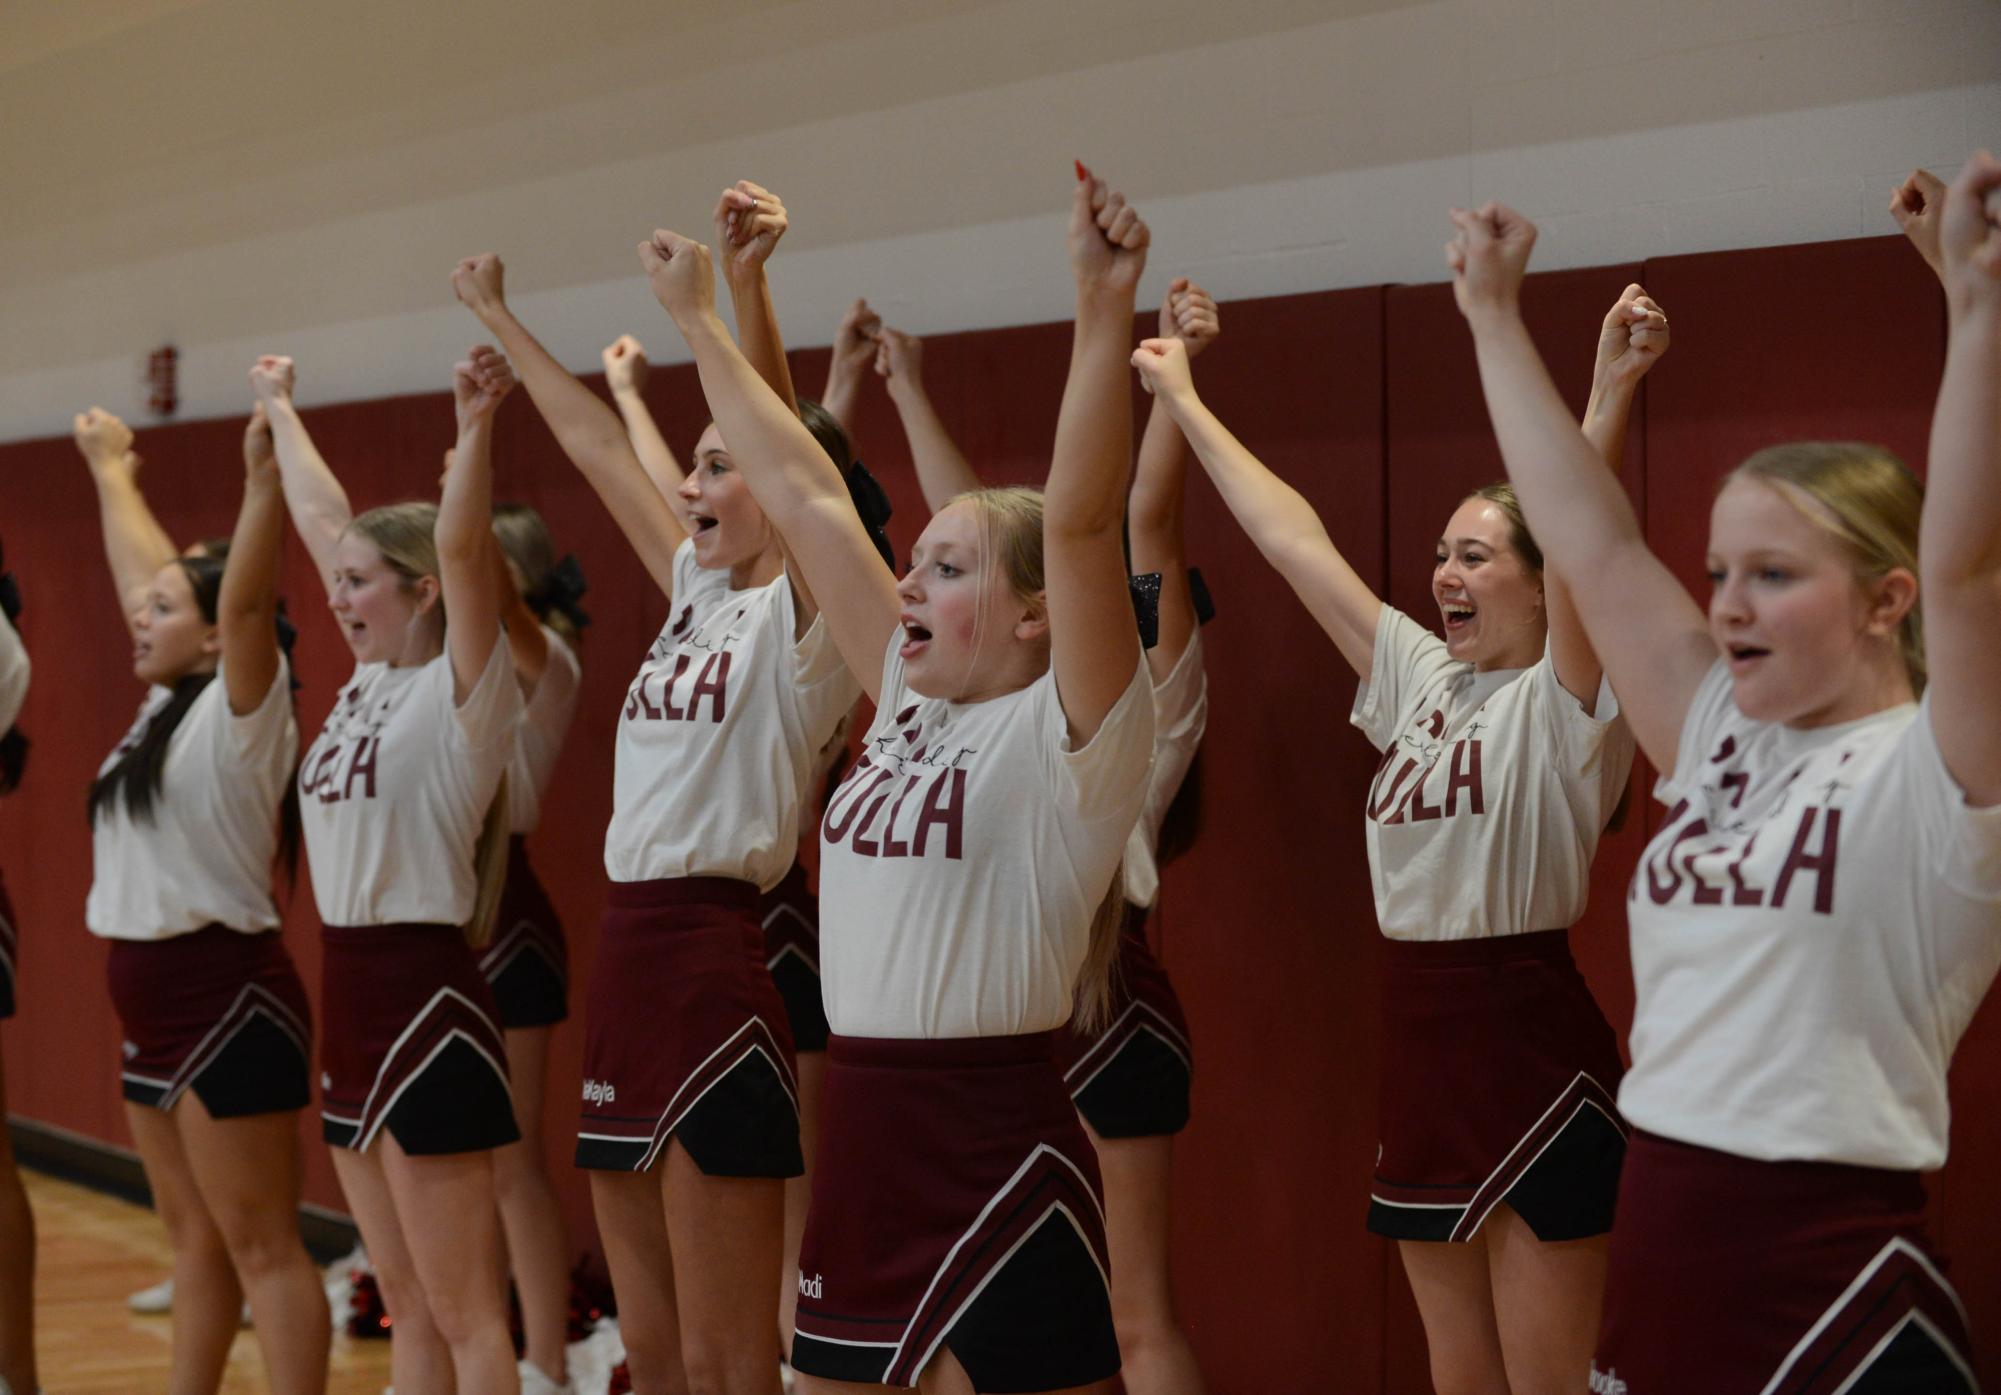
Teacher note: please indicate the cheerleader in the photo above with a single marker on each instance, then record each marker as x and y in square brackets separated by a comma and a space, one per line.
[1130, 1080]
[185, 817]
[17, 1222]
[405, 826]
[956, 1235]
[527, 961]
[1796, 1012]
[789, 913]
[690, 1121]
[1503, 760]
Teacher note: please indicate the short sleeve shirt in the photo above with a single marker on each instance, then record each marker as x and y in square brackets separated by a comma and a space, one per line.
[1493, 789]
[717, 737]
[964, 855]
[204, 856]
[1812, 927]
[394, 790]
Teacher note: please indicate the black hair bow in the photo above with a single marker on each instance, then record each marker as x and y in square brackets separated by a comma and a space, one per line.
[560, 590]
[873, 505]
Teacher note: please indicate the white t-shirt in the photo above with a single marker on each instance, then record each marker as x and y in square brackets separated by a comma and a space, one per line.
[1485, 812]
[13, 674]
[1180, 713]
[964, 855]
[538, 737]
[1813, 928]
[393, 791]
[717, 737]
[204, 858]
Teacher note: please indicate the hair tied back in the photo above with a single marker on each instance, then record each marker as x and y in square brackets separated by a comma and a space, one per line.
[560, 590]
[872, 503]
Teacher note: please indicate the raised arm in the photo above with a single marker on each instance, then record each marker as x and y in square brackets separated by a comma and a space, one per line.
[942, 472]
[794, 482]
[464, 529]
[1916, 205]
[135, 544]
[589, 432]
[625, 373]
[1633, 336]
[749, 221]
[1153, 512]
[527, 645]
[1275, 515]
[1651, 636]
[849, 364]
[1093, 646]
[1959, 539]
[318, 505]
[247, 610]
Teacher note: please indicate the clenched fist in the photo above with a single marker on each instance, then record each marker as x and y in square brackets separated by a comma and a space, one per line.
[1108, 238]
[682, 276]
[625, 365]
[476, 281]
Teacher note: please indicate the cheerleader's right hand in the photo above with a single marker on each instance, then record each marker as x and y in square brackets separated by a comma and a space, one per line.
[1163, 369]
[625, 365]
[103, 439]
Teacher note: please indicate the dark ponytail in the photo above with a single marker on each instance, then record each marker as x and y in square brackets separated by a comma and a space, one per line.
[134, 777]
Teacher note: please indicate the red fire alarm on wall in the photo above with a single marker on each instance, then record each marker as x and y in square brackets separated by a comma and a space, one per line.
[163, 380]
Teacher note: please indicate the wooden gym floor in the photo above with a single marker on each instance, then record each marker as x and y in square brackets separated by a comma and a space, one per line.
[93, 1250]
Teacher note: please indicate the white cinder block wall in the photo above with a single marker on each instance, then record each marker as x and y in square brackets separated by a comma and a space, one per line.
[925, 160]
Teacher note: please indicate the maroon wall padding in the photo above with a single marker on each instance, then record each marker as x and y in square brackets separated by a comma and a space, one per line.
[1368, 402]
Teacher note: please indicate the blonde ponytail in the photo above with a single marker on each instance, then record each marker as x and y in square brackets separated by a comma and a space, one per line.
[489, 860]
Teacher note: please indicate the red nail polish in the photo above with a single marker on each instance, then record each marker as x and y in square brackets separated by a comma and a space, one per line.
[1082, 173]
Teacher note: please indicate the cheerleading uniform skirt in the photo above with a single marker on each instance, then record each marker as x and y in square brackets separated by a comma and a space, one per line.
[527, 964]
[791, 917]
[685, 1036]
[7, 945]
[411, 1041]
[956, 1203]
[1131, 1079]
[1498, 1078]
[217, 1011]
[1731, 1276]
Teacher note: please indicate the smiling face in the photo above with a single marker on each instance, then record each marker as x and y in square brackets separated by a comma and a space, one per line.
[729, 529]
[1808, 642]
[1489, 598]
[967, 634]
[171, 638]
[377, 606]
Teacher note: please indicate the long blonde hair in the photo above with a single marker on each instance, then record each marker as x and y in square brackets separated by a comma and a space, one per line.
[406, 536]
[1870, 504]
[1010, 521]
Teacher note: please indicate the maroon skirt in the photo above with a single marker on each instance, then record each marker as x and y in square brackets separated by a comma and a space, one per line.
[1736, 1277]
[685, 1036]
[1498, 1079]
[411, 1042]
[956, 1203]
[527, 963]
[217, 1011]
[791, 916]
[1131, 1079]
[7, 943]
